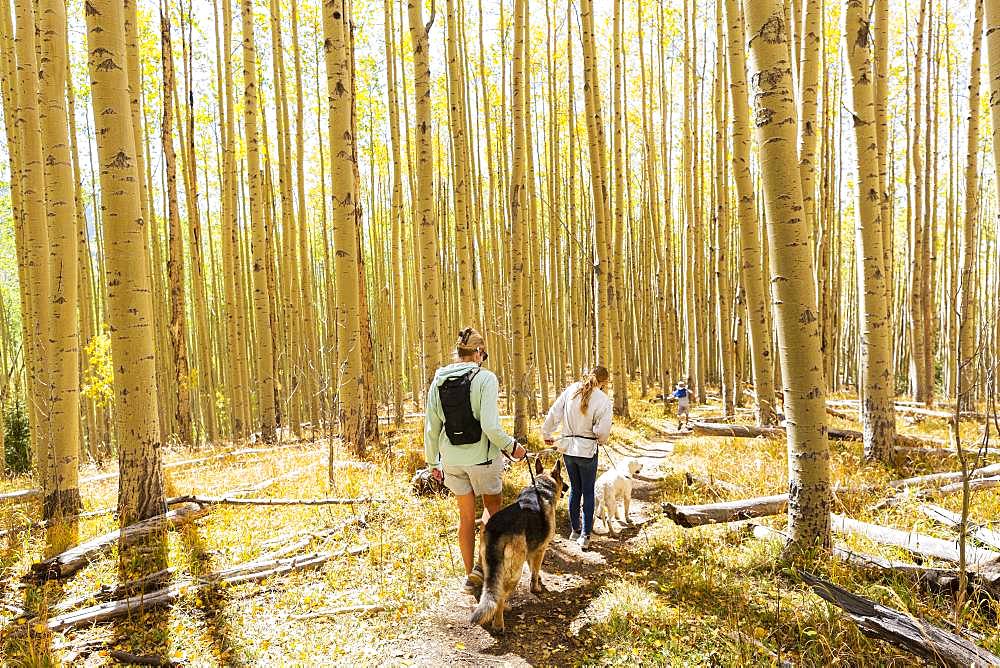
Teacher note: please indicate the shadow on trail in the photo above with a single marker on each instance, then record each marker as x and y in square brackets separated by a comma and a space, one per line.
[552, 628]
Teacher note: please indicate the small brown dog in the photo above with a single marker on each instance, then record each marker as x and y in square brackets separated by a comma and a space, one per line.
[519, 532]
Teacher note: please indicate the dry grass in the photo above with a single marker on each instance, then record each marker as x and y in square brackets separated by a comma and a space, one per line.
[676, 597]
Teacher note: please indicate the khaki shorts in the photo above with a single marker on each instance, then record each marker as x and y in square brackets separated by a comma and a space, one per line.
[479, 479]
[684, 406]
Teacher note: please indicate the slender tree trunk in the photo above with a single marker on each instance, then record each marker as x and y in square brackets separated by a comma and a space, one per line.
[140, 486]
[616, 265]
[918, 339]
[175, 261]
[792, 277]
[881, 16]
[877, 409]
[62, 495]
[433, 336]
[518, 211]
[722, 285]
[966, 297]
[262, 305]
[602, 222]
[460, 180]
[751, 266]
[34, 232]
[344, 199]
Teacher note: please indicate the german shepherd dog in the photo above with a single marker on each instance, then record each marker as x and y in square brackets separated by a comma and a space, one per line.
[519, 532]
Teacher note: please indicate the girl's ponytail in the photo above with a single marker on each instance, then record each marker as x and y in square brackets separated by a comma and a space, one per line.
[593, 380]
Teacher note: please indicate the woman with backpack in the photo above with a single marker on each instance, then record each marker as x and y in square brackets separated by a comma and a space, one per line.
[584, 412]
[463, 441]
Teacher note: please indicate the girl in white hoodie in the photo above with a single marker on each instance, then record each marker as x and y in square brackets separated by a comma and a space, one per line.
[584, 412]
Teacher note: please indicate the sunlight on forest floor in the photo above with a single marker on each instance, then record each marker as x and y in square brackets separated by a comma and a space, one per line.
[672, 596]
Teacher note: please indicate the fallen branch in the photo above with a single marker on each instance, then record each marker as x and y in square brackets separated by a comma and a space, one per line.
[726, 511]
[344, 610]
[976, 485]
[906, 443]
[912, 408]
[735, 430]
[910, 634]
[911, 541]
[235, 501]
[938, 479]
[936, 580]
[253, 571]
[111, 592]
[20, 495]
[954, 520]
[75, 558]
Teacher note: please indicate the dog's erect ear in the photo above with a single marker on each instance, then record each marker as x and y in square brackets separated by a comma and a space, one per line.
[557, 469]
[539, 469]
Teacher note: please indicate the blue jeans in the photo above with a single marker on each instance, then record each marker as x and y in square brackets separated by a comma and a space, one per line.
[582, 473]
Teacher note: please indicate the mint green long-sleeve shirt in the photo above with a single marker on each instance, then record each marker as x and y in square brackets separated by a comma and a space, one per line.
[483, 396]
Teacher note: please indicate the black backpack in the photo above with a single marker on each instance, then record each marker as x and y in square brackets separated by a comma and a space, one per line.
[460, 424]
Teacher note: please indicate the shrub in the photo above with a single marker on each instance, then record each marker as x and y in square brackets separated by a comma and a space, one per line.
[17, 439]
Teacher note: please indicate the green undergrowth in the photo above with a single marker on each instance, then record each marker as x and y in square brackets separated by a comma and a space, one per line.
[670, 596]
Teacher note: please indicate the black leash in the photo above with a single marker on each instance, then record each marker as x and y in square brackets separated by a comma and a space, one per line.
[531, 472]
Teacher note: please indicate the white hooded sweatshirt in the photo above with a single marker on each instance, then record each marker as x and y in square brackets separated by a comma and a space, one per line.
[581, 430]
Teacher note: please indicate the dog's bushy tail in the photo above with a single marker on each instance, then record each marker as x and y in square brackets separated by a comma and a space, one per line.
[486, 609]
[492, 575]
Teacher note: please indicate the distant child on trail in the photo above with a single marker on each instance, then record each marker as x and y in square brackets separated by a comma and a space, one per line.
[584, 411]
[683, 397]
[463, 440]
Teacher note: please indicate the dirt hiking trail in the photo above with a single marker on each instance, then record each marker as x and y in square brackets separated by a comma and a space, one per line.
[551, 629]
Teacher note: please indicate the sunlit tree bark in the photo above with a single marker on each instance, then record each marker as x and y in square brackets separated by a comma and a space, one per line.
[262, 306]
[140, 485]
[792, 279]
[877, 409]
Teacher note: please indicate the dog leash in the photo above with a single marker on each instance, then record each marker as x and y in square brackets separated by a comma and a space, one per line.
[531, 472]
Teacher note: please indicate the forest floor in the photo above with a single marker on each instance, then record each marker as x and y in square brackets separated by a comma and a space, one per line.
[657, 594]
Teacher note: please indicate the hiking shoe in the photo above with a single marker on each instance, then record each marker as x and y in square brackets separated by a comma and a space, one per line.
[583, 541]
[575, 535]
[474, 582]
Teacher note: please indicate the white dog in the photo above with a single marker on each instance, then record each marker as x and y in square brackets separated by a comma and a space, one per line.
[614, 486]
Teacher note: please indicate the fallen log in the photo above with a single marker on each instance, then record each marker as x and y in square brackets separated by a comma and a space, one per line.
[953, 520]
[936, 580]
[898, 628]
[735, 430]
[75, 558]
[248, 572]
[726, 511]
[976, 485]
[20, 495]
[235, 501]
[750, 431]
[913, 408]
[938, 479]
[916, 543]
[110, 592]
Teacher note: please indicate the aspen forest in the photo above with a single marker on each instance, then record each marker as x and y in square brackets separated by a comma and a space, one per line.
[240, 238]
